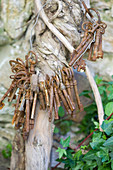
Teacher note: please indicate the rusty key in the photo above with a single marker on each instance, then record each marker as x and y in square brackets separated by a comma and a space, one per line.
[55, 109]
[56, 79]
[51, 100]
[27, 111]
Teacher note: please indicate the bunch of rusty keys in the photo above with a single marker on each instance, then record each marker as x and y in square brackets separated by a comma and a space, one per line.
[51, 92]
[57, 89]
[25, 80]
[93, 38]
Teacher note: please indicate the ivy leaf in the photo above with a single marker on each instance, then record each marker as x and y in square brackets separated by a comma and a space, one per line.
[110, 82]
[111, 155]
[79, 165]
[56, 130]
[61, 152]
[103, 153]
[98, 79]
[110, 88]
[69, 154]
[102, 89]
[109, 108]
[61, 112]
[90, 109]
[96, 136]
[109, 142]
[97, 144]
[83, 147]
[91, 155]
[112, 164]
[110, 96]
[107, 127]
[65, 143]
[97, 140]
[78, 154]
[85, 93]
[95, 123]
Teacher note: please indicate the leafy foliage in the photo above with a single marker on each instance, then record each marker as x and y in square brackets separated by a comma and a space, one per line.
[63, 125]
[106, 91]
[98, 156]
[99, 153]
[7, 151]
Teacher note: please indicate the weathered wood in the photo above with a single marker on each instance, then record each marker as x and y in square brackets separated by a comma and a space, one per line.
[18, 153]
[38, 146]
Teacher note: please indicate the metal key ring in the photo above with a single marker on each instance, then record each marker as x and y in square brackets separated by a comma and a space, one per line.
[92, 9]
[87, 24]
[19, 60]
[13, 61]
[22, 84]
[32, 52]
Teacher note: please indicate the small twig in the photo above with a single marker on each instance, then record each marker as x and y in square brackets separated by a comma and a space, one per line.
[28, 22]
[58, 11]
[97, 97]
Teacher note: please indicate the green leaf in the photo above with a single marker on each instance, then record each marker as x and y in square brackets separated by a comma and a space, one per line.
[107, 127]
[56, 130]
[110, 96]
[9, 147]
[7, 151]
[111, 155]
[112, 164]
[61, 152]
[61, 111]
[103, 168]
[110, 82]
[91, 155]
[97, 140]
[96, 136]
[95, 123]
[80, 165]
[109, 142]
[77, 155]
[83, 147]
[109, 108]
[97, 144]
[103, 153]
[69, 154]
[110, 88]
[85, 93]
[90, 109]
[102, 89]
[98, 79]
[65, 143]
[104, 136]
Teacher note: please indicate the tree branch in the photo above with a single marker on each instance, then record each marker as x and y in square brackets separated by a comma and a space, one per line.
[71, 48]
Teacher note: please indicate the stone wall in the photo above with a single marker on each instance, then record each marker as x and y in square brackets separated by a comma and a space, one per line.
[13, 43]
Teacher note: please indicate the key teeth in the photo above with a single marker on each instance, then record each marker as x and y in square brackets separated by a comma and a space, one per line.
[100, 54]
[2, 105]
[81, 107]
